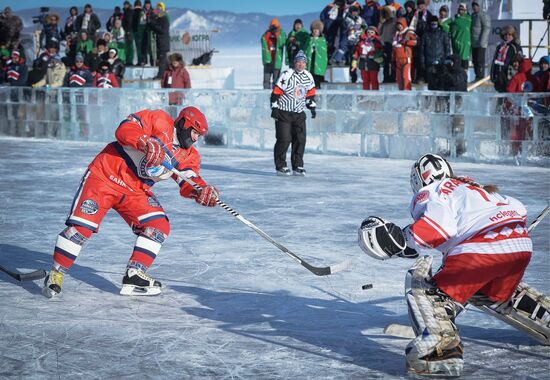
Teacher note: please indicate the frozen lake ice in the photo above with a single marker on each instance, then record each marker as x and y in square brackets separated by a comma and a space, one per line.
[233, 305]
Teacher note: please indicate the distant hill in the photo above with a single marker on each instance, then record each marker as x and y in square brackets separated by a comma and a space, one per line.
[235, 29]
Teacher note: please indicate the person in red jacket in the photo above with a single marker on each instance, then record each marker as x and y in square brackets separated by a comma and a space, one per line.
[104, 77]
[368, 56]
[403, 41]
[176, 76]
[120, 178]
[523, 81]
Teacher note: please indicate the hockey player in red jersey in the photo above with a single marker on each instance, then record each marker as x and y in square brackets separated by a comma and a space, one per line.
[486, 248]
[121, 177]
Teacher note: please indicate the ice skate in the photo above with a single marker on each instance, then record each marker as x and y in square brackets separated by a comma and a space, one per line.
[137, 283]
[52, 284]
[446, 363]
[299, 171]
[284, 172]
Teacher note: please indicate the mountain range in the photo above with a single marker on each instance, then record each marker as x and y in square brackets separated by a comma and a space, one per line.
[234, 29]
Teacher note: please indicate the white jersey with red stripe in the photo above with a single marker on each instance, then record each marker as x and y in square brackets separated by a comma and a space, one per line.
[455, 217]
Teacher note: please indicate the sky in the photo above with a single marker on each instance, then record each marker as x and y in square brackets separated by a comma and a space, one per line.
[279, 8]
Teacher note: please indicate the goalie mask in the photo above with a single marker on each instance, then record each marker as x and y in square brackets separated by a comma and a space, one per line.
[190, 119]
[428, 169]
[381, 239]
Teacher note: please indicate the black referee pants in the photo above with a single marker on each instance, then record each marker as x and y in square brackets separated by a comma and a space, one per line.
[290, 128]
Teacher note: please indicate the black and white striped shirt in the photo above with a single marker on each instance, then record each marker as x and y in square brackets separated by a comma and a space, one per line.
[293, 87]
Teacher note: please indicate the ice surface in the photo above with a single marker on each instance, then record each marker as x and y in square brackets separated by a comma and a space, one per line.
[234, 306]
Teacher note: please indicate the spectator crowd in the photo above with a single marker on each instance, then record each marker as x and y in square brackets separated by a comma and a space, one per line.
[408, 43]
[77, 54]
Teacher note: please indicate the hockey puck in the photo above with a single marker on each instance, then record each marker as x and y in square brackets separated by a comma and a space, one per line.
[366, 286]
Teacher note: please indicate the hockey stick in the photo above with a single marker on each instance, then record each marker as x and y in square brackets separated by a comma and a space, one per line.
[404, 331]
[539, 218]
[319, 271]
[34, 275]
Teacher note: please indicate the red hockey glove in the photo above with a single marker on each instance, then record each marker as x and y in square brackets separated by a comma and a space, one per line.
[154, 154]
[208, 196]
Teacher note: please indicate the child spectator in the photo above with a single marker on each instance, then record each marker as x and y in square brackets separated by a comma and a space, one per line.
[403, 42]
[316, 52]
[176, 76]
[79, 75]
[104, 78]
[273, 42]
[368, 56]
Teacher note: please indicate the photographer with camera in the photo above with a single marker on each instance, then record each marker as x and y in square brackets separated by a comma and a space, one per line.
[273, 43]
[51, 32]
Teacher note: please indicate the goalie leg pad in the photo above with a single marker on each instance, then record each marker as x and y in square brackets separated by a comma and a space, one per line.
[436, 350]
[528, 310]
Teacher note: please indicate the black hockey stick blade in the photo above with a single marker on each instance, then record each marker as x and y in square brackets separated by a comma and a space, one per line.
[30, 276]
[325, 271]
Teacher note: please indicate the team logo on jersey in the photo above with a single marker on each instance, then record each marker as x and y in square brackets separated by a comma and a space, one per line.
[300, 91]
[89, 207]
[153, 202]
[421, 197]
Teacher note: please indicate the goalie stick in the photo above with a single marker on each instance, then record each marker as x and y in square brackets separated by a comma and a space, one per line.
[405, 331]
[318, 271]
[30, 276]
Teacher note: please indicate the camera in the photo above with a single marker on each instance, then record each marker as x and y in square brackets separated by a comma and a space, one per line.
[41, 18]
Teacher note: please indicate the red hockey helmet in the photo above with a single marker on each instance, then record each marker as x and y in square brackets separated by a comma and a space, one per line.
[189, 119]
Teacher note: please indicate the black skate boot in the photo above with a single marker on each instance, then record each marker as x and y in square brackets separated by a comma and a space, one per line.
[137, 283]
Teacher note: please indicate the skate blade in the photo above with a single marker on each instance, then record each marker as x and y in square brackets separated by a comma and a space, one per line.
[131, 290]
[444, 368]
[48, 293]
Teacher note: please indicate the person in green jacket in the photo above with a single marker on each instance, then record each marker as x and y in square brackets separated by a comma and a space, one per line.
[296, 40]
[461, 37]
[85, 44]
[444, 19]
[316, 52]
[273, 43]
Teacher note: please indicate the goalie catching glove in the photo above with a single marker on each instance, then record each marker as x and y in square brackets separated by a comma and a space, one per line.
[383, 240]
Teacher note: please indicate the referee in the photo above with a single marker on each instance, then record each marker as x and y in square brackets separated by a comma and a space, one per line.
[294, 90]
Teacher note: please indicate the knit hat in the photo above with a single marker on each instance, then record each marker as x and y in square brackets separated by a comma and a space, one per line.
[114, 50]
[15, 53]
[300, 56]
[79, 57]
[298, 21]
[475, 3]
[373, 28]
[545, 59]
[433, 18]
[462, 5]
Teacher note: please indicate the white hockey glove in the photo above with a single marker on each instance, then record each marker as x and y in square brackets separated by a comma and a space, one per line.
[382, 240]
